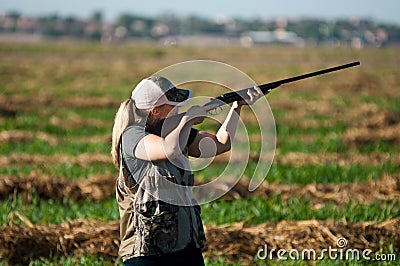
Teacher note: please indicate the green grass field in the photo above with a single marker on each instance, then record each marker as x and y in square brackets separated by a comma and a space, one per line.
[60, 100]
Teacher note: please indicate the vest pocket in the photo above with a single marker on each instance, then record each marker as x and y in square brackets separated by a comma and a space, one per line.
[157, 224]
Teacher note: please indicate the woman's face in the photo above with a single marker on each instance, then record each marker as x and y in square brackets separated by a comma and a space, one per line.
[165, 110]
[157, 115]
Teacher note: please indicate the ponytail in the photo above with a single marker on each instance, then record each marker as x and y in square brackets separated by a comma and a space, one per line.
[123, 118]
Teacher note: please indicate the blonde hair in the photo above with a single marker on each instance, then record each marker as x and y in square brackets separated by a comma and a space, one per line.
[123, 118]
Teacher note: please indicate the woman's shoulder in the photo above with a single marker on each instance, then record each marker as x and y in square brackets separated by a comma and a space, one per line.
[134, 129]
[132, 135]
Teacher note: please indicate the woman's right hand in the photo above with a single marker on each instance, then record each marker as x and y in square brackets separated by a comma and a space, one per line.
[196, 114]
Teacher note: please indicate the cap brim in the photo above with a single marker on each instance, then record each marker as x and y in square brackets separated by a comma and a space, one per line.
[181, 103]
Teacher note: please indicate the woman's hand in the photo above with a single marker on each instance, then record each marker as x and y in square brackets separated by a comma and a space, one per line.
[254, 94]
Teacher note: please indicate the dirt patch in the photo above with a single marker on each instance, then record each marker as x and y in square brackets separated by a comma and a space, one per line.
[366, 123]
[359, 136]
[98, 188]
[95, 188]
[10, 105]
[295, 159]
[18, 136]
[386, 188]
[370, 125]
[298, 159]
[15, 136]
[6, 107]
[237, 243]
[75, 121]
[19, 244]
[71, 102]
[83, 159]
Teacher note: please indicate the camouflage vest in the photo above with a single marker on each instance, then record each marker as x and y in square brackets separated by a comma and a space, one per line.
[149, 226]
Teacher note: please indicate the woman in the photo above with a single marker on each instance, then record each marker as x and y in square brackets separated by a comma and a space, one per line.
[153, 231]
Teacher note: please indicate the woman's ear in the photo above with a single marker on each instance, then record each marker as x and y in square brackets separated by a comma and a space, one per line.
[154, 111]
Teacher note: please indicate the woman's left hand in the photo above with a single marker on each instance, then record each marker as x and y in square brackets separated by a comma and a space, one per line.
[254, 93]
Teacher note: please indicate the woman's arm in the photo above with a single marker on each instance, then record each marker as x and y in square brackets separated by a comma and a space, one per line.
[208, 145]
[152, 147]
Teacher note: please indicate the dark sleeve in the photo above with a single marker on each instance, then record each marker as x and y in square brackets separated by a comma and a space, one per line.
[131, 138]
[192, 136]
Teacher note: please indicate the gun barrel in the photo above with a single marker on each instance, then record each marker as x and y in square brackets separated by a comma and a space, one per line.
[230, 97]
[266, 87]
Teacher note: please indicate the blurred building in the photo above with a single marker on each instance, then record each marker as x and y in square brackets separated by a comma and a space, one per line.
[279, 36]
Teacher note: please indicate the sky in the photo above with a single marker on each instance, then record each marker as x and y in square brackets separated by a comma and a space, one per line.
[386, 11]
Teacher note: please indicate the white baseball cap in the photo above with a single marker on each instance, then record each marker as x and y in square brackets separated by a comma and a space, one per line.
[156, 91]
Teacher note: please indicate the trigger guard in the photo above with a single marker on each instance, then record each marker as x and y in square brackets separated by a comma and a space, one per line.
[215, 111]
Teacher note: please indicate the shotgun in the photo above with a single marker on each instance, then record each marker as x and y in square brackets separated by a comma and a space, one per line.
[227, 98]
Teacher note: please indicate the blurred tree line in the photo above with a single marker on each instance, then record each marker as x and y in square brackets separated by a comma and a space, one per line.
[129, 26]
